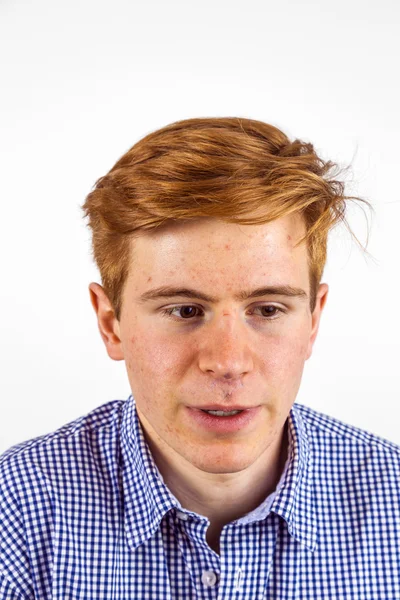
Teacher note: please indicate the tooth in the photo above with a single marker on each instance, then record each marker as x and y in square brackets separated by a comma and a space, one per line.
[223, 413]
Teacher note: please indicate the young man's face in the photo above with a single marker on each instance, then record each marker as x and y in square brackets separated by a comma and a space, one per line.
[215, 349]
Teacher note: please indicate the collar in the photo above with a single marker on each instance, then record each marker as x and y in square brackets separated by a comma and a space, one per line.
[294, 500]
[147, 499]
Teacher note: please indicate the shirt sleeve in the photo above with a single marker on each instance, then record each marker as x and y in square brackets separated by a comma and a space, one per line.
[15, 575]
[8, 590]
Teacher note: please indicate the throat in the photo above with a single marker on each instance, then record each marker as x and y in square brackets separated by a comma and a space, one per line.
[213, 536]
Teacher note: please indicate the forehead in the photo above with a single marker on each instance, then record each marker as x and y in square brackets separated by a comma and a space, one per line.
[220, 254]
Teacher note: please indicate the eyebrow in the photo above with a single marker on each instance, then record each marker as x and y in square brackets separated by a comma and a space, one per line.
[172, 292]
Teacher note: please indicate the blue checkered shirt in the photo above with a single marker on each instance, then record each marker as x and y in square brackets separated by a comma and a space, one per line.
[85, 515]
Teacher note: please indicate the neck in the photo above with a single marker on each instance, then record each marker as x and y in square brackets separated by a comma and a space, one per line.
[222, 498]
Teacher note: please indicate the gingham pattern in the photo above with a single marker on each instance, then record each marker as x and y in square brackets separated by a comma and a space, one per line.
[85, 515]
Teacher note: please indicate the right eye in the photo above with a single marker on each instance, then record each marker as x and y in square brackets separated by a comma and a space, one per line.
[187, 312]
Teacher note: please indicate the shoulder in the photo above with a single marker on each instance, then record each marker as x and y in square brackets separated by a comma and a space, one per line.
[341, 449]
[336, 429]
[46, 453]
[51, 478]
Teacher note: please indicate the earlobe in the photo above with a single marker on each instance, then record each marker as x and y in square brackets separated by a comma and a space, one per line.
[108, 324]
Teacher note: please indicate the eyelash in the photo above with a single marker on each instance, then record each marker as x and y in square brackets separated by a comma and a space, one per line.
[167, 312]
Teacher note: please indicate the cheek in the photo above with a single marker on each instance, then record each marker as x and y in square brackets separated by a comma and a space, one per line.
[152, 357]
[285, 356]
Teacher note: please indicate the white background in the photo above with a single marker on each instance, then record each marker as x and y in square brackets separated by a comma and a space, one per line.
[83, 80]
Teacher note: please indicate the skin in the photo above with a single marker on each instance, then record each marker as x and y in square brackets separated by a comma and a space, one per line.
[228, 351]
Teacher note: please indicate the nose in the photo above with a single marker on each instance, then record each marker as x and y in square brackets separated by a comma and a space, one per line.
[224, 349]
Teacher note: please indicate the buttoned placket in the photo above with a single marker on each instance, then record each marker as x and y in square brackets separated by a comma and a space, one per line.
[216, 577]
[203, 563]
[251, 549]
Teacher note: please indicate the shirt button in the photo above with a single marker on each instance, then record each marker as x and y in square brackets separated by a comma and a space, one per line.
[182, 516]
[209, 578]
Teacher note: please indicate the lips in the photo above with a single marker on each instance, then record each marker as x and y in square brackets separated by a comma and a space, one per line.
[222, 407]
[236, 424]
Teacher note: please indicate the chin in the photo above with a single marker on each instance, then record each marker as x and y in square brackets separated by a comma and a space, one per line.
[221, 464]
[223, 470]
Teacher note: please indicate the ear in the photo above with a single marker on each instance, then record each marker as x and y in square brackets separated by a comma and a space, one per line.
[321, 298]
[107, 322]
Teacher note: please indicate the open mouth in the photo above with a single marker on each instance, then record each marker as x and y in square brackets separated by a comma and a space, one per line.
[222, 413]
[225, 421]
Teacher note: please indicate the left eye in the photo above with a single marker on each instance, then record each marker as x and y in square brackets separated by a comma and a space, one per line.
[268, 311]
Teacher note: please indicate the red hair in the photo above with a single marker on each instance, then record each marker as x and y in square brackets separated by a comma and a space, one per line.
[235, 169]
